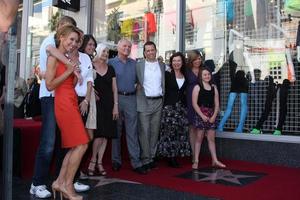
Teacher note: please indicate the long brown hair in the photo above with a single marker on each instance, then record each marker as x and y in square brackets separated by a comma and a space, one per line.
[192, 56]
[200, 76]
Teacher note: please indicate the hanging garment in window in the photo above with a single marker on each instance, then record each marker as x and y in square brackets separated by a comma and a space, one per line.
[229, 10]
[126, 28]
[150, 22]
[248, 12]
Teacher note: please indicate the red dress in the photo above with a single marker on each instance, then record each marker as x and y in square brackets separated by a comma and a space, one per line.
[67, 113]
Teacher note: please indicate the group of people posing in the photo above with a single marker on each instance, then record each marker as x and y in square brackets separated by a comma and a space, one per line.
[166, 111]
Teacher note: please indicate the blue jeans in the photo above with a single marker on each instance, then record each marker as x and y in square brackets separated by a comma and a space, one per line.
[243, 114]
[47, 142]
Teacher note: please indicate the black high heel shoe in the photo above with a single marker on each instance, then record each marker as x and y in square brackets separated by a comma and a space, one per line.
[101, 172]
[90, 171]
[195, 166]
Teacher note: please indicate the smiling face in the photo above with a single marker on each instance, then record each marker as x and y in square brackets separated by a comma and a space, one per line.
[177, 63]
[90, 47]
[104, 54]
[150, 52]
[197, 62]
[205, 76]
[69, 41]
[124, 48]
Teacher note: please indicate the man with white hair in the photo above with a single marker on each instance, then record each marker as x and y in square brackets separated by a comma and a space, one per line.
[126, 83]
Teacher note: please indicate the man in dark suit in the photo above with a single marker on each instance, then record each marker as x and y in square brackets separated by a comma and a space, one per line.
[150, 90]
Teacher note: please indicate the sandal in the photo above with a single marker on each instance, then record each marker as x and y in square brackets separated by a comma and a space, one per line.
[91, 171]
[101, 170]
[195, 166]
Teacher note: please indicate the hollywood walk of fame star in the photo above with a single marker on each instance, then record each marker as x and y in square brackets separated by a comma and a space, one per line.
[222, 174]
[105, 181]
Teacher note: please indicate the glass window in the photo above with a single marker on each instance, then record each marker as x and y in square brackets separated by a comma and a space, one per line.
[260, 38]
[205, 28]
[138, 21]
[40, 20]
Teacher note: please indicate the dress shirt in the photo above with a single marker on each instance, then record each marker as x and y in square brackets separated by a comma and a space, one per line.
[86, 71]
[43, 64]
[152, 79]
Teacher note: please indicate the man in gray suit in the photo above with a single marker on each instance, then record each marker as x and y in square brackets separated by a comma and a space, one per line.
[126, 83]
[150, 90]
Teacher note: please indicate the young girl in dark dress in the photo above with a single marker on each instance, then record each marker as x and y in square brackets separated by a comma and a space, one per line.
[205, 99]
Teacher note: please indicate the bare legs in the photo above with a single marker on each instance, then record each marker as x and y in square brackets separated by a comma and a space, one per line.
[211, 134]
[64, 182]
[199, 135]
[91, 133]
[192, 136]
[99, 146]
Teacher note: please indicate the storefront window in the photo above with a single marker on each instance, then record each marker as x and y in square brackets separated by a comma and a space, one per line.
[138, 21]
[41, 18]
[258, 38]
[205, 28]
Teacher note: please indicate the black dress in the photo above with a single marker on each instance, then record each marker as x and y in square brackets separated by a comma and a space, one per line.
[106, 126]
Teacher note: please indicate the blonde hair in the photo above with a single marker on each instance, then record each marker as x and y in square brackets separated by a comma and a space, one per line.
[99, 50]
[66, 30]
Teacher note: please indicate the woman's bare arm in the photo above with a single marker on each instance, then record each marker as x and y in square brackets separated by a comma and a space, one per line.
[115, 92]
[216, 102]
[51, 81]
[53, 51]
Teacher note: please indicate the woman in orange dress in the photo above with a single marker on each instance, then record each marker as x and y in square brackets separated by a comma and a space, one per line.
[61, 78]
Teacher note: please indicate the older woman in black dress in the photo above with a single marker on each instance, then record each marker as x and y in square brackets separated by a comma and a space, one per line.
[105, 87]
[174, 140]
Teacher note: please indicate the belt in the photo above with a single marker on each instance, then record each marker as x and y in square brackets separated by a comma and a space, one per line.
[126, 93]
[153, 98]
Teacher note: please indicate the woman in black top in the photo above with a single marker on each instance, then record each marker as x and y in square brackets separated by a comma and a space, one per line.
[107, 108]
[174, 139]
[205, 101]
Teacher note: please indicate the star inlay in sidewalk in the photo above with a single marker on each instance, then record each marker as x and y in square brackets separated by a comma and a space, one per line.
[223, 176]
[105, 181]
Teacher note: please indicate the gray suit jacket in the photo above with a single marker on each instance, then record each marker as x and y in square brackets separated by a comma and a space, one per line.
[142, 105]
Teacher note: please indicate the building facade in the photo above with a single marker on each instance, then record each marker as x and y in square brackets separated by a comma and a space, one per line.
[258, 35]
